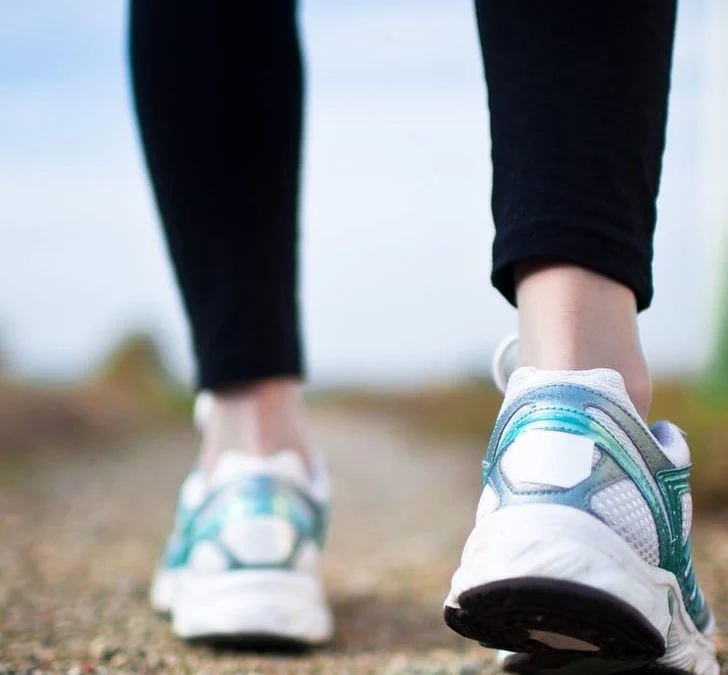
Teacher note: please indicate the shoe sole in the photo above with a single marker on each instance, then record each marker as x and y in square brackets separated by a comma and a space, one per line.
[547, 579]
[565, 664]
[252, 642]
[274, 610]
[537, 615]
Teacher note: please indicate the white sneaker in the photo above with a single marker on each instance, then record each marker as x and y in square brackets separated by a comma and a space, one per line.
[581, 553]
[242, 564]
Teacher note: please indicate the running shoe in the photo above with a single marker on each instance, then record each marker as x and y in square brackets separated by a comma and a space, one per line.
[242, 564]
[580, 559]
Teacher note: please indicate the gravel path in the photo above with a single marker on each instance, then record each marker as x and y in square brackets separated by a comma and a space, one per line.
[80, 537]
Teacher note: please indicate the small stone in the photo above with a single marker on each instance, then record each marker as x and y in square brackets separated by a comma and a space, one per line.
[102, 650]
[155, 661]
[417, 668]
[472, 668]
[118, 660]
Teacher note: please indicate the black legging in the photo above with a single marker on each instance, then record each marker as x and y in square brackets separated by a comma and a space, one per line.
[578, 98]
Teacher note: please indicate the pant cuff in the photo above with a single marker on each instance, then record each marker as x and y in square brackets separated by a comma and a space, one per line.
[625, 262]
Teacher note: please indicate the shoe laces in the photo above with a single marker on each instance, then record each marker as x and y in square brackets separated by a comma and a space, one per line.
[499, 362]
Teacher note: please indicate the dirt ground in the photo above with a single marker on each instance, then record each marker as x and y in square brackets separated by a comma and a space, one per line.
[80, 535]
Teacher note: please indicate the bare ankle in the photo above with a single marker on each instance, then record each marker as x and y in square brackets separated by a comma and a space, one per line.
[259, 419]
[639, 389]
[575, 319]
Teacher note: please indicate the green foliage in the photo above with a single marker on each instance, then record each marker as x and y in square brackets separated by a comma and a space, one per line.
[715, 380]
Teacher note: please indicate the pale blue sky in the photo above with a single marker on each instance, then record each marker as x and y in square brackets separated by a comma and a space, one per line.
[397, 229]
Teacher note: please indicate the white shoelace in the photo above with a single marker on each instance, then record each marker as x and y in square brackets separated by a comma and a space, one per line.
[498, 364]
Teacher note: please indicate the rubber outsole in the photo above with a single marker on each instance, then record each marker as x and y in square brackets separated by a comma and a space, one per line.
[516, 614]
[270, 610]
[261, 642]
[568, 664]
[254, 643]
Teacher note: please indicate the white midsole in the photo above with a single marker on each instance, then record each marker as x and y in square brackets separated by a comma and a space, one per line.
[277, 603]
[558, 542]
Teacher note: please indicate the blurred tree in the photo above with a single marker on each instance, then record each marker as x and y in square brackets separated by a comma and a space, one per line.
[3, 356]
[135, 371]
[718, 371]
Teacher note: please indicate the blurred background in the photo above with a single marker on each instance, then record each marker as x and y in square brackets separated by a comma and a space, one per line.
[396, 216]
[400, 321]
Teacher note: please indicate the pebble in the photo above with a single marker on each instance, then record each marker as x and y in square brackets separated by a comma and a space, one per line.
[403, 667]
[102, 650]
[472, 668]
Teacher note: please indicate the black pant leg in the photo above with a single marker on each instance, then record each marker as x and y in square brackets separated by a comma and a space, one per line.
[578, 98]
[218, 89]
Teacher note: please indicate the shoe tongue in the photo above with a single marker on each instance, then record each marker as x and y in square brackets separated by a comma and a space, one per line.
[604, 380]
[284, 464]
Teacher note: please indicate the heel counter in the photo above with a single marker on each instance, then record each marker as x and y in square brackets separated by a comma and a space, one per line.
[261, 522]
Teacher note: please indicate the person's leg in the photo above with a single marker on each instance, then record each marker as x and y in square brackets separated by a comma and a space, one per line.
[581, 547]
[218, 91]
[578, 100]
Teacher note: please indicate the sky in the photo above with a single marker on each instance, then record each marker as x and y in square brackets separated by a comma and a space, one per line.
[396, 223]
